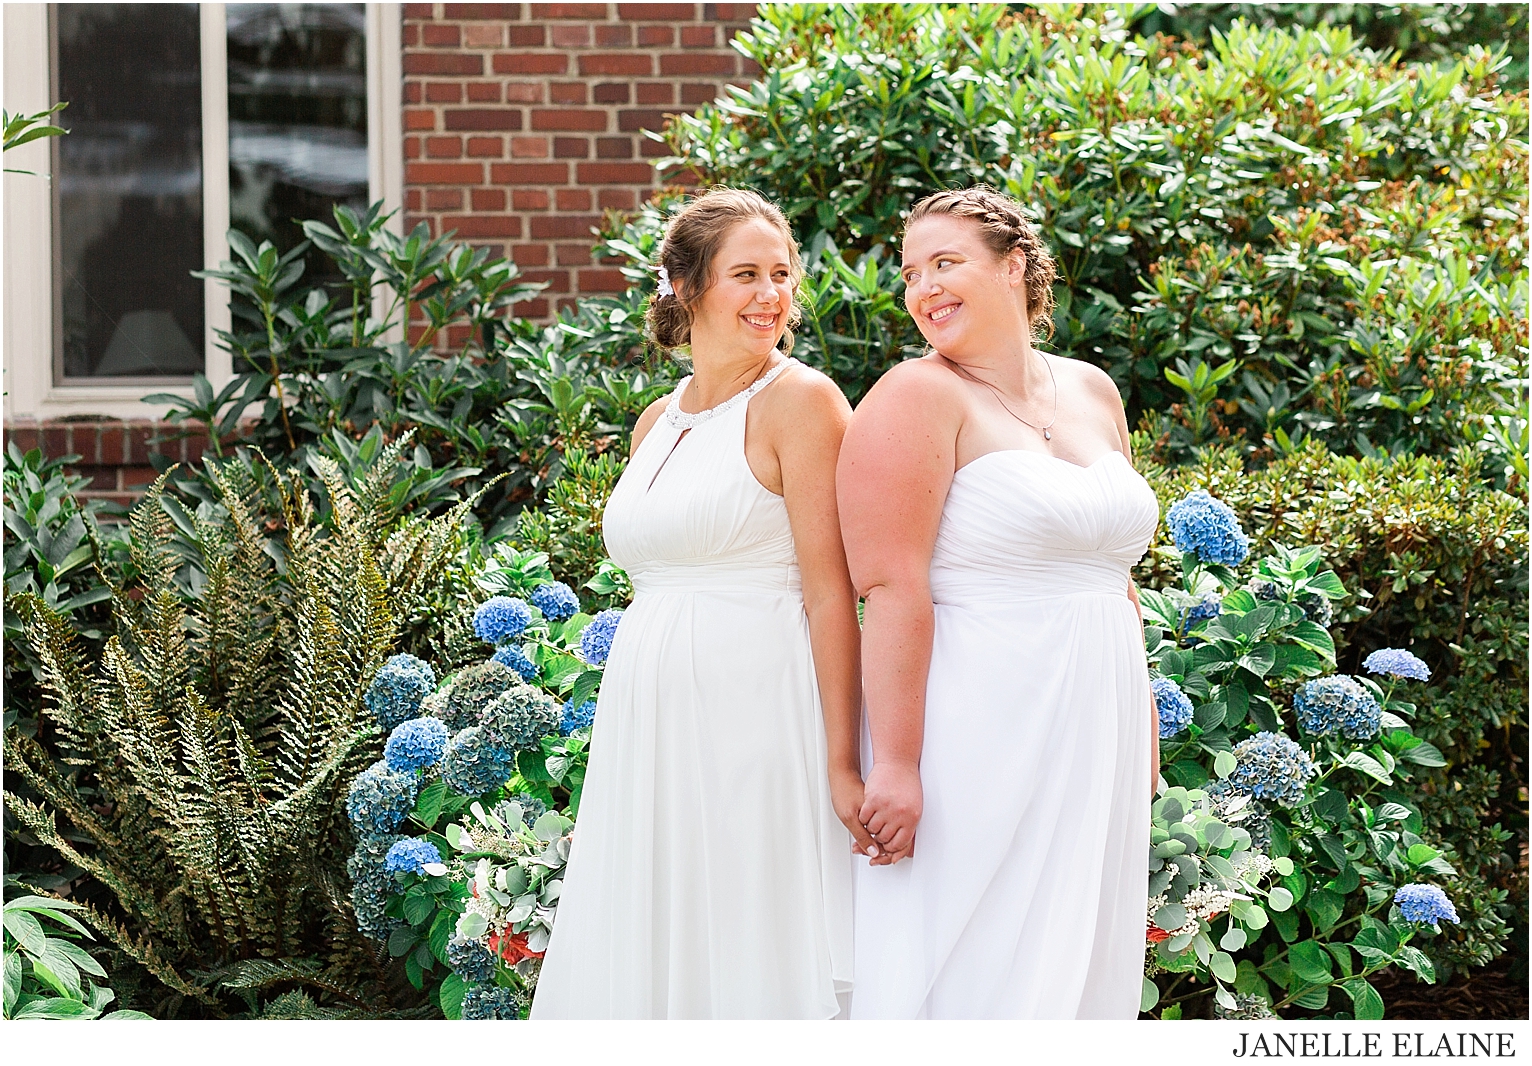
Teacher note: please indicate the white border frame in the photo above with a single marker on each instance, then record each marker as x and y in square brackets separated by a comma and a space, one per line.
[26, 365]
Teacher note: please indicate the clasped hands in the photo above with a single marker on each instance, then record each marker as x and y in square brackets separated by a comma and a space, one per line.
[881, 813]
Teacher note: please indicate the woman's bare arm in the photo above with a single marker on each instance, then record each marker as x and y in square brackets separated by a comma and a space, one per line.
[808, 417]
[896, 466]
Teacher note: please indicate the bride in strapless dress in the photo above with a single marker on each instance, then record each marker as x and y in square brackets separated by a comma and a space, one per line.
[991, 517]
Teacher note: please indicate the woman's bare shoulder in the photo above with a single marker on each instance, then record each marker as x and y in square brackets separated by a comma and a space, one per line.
[919, 384]
[646, 421]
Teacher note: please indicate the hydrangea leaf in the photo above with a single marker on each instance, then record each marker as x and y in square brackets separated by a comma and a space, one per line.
[1365, 1001]
[1424, 754]
[1366, 764]
[1310, 962]
[1314, 637]
[1416, 960]
[428, 805]
[450, 996]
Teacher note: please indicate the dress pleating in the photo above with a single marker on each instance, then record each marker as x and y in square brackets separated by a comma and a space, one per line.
[1025, 896]
[709, 876]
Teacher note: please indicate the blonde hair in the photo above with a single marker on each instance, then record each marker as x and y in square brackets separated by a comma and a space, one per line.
[1004, 224]
[691, 243]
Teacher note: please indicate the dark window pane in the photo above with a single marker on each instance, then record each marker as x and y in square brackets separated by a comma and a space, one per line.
[129, 189]
[297, 119]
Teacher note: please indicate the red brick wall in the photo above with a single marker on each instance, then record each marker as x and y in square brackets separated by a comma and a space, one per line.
[113, 454]
[523, 123]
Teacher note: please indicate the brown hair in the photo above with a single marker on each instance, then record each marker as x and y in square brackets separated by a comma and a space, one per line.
[692, 240]
[1006, 229]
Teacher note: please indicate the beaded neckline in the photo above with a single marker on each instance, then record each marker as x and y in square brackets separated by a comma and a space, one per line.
[679, 419]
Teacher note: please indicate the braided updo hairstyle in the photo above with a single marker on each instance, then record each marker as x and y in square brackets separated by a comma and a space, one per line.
[691, 243]
[1006, 229]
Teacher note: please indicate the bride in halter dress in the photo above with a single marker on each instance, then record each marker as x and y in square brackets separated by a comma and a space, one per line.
[710, 875]
[991, 518]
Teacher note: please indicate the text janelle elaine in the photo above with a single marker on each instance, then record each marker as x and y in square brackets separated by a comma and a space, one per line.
[1268, 1045]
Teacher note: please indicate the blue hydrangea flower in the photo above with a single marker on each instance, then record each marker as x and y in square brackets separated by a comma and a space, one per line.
[1317, 609]
[483, 1003]
[372, 885]
[380, 798]
[517, 720]
[409, 855]
[596, 640]
[415, 744]
[398, 688]
[468, 692]
[1425, 905]
[1175, 709]
[532, 808]
[471, 960]
[1204, 525]
[1253, 817]
[556, 600]
[1396, 662]
[500, 619]
[472, 765]
[1263, 588]
[577, 717]
[1208, 605]
[511, 656]
[1337, 704]
[1271, 767]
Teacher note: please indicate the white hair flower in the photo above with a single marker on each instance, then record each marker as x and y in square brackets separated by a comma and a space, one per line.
[665, 286]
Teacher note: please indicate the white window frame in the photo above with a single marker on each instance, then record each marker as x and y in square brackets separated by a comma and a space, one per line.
[26, 364]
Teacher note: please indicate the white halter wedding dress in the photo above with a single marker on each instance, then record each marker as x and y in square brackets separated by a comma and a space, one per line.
[709, 876]
[1025, 896]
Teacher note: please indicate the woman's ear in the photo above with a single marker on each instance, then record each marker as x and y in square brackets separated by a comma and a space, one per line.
[1016, 268]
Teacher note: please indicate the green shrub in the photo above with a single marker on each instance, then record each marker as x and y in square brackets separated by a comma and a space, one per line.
[1434, 562]
[1340, 234]
[492, 401]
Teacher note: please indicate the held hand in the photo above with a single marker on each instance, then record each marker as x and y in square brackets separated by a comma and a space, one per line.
[847, 794]
[891, 809]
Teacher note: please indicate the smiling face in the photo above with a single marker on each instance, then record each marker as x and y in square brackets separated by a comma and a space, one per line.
[746, 308]
[959, 291]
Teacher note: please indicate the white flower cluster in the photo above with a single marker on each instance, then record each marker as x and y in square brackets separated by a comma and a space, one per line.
[1205, 901]
[1250, 866]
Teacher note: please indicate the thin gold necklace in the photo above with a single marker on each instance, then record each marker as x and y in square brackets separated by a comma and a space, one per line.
[1044, 430]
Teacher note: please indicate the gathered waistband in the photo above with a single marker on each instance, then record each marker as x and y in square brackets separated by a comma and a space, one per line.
[706, 578]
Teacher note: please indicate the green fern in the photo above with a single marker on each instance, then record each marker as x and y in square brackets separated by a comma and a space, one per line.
[196, 772]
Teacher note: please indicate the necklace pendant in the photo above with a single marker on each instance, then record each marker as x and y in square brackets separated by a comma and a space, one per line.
[1047, 435]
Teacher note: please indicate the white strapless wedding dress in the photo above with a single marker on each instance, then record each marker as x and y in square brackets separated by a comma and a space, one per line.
[709, 876]
[1026, 893]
